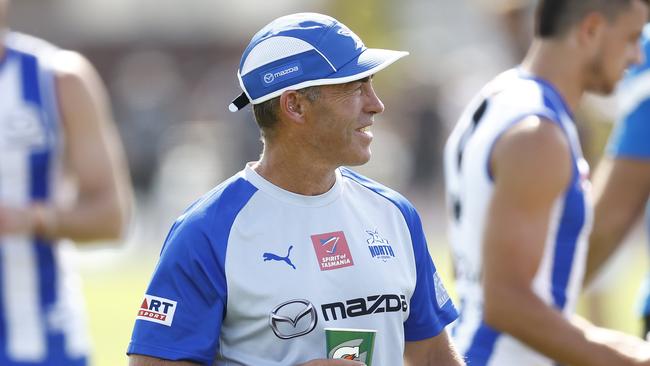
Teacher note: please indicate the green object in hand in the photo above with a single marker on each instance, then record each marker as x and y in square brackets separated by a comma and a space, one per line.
[350, 344]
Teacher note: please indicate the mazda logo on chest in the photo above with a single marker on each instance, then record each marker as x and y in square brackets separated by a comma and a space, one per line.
[293, 318]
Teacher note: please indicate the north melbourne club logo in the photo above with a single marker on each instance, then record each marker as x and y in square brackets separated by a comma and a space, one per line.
[379, 247]
[332, 251]
[157, 309]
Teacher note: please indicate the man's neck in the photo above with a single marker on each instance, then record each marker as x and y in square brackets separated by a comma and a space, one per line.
[295, 171]
[558, 64]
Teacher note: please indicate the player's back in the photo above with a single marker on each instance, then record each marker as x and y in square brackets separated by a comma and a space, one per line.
[506, 100]
[41, 315]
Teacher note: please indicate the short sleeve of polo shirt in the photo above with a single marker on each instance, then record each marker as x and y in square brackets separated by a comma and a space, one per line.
[182, 312]
[431, 309]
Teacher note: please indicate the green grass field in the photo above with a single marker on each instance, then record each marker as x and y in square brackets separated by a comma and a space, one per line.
[114, 293]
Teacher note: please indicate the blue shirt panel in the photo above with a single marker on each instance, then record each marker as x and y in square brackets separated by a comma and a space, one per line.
[191, 272]
[426, 318]
[631, 137]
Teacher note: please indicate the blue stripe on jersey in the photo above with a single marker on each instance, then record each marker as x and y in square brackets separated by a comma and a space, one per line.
[551, 96]
[40, 164]
[29, 71]
[426, 319]
[191, 271]
[571, 223]
[573, 215]
[482, 346]
[47, 272]
[39, 172]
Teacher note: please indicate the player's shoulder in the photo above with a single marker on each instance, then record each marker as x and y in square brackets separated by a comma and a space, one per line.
[532, 148]
[515, 93]
[28, 44]
[374, 187]
[536, 134]
[226, 199]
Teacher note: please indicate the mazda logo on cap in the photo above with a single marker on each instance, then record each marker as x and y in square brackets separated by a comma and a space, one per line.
[293, 318]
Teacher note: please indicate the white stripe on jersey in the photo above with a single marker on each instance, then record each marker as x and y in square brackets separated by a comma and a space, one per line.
[29, 325]
[21, 301]
[69, 309]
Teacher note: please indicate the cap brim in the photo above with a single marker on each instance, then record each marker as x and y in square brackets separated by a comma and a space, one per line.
[369, 62]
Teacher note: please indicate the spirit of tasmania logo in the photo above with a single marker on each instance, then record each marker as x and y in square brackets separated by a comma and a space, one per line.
[157, 309]
[332, 251]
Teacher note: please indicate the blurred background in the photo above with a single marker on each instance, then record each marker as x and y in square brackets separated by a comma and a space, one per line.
[170, 67]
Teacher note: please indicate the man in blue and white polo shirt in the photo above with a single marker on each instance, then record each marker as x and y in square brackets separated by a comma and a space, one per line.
[622, 182]
[256, 269]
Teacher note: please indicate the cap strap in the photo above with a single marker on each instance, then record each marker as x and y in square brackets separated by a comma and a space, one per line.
[240, 102]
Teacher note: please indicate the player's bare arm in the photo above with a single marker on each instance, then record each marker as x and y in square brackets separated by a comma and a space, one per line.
[138, 360]
[531, 168]
[438, 351]
[94, 158]
[94, 165]
[621, 188]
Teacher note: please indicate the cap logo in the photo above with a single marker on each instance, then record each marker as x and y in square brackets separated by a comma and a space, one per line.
[282, 73]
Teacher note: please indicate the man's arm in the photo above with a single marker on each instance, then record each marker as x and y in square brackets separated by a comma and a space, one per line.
[621, 188]
[434, 351]
[94, 156]
[139, 360]
[532, 167]
[94, 161]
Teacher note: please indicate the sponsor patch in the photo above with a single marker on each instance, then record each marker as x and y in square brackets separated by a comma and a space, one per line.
[281, 73]
[441, 293]
[157, 309]
[332, 251]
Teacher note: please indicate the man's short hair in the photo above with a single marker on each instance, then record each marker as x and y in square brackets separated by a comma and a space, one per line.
[555, 17]
[266, 113]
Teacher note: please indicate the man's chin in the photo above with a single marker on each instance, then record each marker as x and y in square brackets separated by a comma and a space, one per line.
[358, 161]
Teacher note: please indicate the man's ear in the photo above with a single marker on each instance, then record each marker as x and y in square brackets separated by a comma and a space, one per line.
[591, 29]
[292, 105]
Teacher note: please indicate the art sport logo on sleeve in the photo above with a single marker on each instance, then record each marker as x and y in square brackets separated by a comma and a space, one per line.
[157, 309]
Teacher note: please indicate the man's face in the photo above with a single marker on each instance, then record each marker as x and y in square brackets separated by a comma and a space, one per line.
[619, 48]
[339, 127]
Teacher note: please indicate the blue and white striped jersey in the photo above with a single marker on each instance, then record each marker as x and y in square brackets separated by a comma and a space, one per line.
[252, 275]
[503, 102]
[41, 314]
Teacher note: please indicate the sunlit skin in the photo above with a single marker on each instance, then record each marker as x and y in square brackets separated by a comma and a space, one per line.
[340, 123]
[320, 135]
[595, 53]
[619, 49]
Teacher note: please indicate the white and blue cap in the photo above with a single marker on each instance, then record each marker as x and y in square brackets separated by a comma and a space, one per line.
[302, 50]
